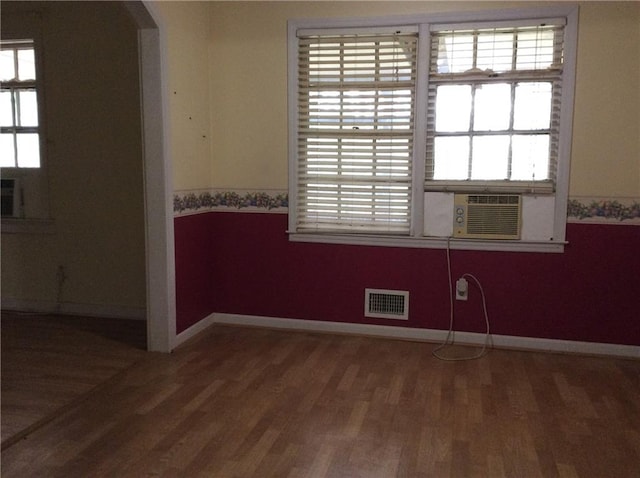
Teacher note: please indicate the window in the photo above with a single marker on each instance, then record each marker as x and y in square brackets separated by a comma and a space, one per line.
[494, 99]
[24, 174]
[390, 117]
[355, 131]
[19, 132]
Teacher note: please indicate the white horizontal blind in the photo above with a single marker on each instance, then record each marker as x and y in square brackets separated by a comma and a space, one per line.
[355, 132]
[507, 140]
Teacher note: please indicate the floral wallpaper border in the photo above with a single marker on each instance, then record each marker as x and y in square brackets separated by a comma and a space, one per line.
[604, 210]
[580, 209]
[190, 202]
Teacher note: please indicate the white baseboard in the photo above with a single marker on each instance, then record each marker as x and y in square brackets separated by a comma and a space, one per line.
[194, 330]
[69, 308]
[427, 335]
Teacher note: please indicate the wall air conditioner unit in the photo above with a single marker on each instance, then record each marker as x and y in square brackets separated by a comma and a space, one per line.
[10, 197]
[487, 216]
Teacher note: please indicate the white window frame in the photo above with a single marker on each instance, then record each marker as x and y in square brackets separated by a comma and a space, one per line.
[21, 85]
[417, 237]
[475, 80]
[35, 211]
[356, 131]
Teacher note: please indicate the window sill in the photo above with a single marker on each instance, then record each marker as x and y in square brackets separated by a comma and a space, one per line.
[432, 242]
[28, 226]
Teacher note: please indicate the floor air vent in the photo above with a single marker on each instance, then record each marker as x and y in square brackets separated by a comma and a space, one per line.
[386, 304]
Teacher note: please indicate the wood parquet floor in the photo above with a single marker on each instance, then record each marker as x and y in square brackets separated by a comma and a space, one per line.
[243, 402]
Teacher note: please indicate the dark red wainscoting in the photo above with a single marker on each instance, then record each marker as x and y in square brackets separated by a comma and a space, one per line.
[243, 263]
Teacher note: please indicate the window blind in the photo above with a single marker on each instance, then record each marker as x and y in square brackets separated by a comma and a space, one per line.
[494, 107]
[356, 97]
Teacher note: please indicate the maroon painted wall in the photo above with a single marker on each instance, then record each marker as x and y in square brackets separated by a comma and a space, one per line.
[194, 266]
[243, 263]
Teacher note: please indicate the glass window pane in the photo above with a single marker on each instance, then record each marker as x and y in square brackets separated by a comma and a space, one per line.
[6, 112]
[492, 107]
[495, 51]
[530, 157]
[7, 66]
[455, 53]
[453, 108]
[28, 150]
[532, 108]
[7, 152]
[451, 158]
[490, 157]
[28, 113]
[26, 65]
[394, 109]
[535, 50]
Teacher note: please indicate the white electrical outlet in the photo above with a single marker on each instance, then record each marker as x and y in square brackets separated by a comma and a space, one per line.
[462, 289]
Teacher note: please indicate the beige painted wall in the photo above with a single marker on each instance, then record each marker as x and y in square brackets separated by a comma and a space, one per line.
[94, 160]
[187, 44]
[606, 139]
[248, 55]
[248, 102]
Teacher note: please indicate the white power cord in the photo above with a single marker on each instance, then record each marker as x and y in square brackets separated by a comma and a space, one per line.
[450, 339]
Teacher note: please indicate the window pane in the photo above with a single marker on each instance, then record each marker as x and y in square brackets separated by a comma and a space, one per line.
[28, 150]
[26, 65]
[455, 52]
[451, 158]
[530, 157]
[28, 115]
[490, 157]
[7, 67]
[532, 109]
[6, 115]
[492, 107]
[535, 49]
[495, 51]
[394, 109]
[453, 108]
[7, 153]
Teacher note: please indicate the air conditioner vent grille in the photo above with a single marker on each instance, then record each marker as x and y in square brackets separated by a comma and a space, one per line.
[487, 216]
[493, 199]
